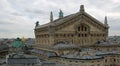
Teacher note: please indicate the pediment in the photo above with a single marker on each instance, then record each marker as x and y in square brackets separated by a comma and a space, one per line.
[83, 18]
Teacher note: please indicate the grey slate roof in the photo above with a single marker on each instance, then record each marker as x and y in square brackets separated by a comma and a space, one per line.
[69, 17]
[3, 47]
[64, 46]
[108, 43]
[106, 52]
[27, 59]
[57, 21]
[23, 61]
[43, 52]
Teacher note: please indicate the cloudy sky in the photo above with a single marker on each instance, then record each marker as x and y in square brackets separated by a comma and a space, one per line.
[18, 17]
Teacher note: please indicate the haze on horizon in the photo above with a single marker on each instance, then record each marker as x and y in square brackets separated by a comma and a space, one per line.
[18, 17]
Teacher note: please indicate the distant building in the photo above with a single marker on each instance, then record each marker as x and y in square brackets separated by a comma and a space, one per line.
[79, 28]
[17, 56]
[3, 50]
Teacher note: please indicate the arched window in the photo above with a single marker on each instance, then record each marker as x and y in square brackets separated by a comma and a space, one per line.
[83, 27]
[79, 35]
[85, 35]
[79, 28]
[64, 35]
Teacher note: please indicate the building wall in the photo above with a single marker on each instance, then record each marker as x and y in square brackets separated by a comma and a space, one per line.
[81, 30]
[108, 60]
[85, 35]
[75, 62]
[112, 60]
[107, 48]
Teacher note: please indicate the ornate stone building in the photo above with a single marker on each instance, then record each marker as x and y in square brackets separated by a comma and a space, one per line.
[76, 40]
[79, 28]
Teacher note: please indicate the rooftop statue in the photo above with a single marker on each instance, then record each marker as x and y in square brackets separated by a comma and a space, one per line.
[37, 23]
[18, 47]
[60, 14]
[18, 58]
[23, 39]
[18, 43]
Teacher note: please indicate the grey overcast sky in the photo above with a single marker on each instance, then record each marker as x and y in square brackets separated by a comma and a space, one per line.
[18, 17]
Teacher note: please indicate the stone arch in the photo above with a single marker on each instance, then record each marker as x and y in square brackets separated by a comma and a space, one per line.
[83, 27]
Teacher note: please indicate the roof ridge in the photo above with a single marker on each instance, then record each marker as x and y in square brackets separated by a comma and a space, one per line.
[93, 18]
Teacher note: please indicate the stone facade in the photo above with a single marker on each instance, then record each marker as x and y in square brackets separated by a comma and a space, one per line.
[76, 40]
[79, 28]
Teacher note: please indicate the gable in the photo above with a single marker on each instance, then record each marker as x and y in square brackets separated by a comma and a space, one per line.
[68, 28]
[93, 24]
[68, 23]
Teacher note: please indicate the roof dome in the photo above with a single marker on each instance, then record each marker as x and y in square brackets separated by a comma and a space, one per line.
[18, 43]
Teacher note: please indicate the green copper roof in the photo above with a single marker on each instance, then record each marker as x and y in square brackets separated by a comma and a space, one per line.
[18, 43]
